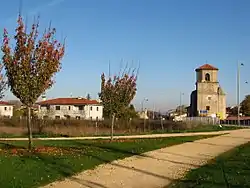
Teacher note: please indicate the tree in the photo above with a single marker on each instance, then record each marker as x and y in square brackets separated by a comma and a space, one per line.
[3, 82]
[130, 112]
[30, 66]
[245, 106]
[117, 92]
[232, 111]
[88, 96]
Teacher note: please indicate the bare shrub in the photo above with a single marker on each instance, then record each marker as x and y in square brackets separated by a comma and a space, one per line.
[87, 128]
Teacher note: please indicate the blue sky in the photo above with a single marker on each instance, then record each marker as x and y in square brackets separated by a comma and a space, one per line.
[170, 38]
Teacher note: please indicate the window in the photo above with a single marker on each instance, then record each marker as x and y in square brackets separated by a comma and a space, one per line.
[80, 107]
[67, 116]
[5, 108]
[57, 107]
[91, 108]
[207, 108]
[69, 107]
[57, 117]
[48, 107]
[209, 98]
[97, 108]
[45, 117]
[207, 77]
[78, 117]
[96, 118]
[90, 117]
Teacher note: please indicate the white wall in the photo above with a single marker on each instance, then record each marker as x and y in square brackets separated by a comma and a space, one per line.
[6, 110]
[89, 112]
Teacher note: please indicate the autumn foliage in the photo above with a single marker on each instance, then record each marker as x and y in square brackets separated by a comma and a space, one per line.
[245, 106]
[31, 65]
[3, 82]
[117, 92]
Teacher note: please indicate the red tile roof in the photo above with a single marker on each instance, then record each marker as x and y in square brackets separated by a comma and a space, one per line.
[206, 67]
[68, 101]
[4, 103]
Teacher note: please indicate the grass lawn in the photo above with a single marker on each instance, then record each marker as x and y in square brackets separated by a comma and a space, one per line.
[204, 128]
[231, 169]
[53, 160]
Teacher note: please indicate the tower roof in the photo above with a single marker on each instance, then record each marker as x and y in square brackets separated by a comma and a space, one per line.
[206, 67]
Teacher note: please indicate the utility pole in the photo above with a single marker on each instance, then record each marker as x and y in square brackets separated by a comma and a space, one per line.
[238, 91]
[142, 104]
[109, 69]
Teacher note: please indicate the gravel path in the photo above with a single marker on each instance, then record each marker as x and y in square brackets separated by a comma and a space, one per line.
[121, 137]
[157, 168]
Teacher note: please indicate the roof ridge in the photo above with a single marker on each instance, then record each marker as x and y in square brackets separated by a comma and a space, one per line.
[70, 100]
[206, 67]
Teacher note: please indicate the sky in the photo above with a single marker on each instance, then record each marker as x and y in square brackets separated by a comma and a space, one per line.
[170, 38]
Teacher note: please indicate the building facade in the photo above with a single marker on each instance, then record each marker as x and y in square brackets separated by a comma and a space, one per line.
[6, 109]
[208, 99]
[70, 108]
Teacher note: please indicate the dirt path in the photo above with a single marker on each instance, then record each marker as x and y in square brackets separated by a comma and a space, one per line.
[122, 137]
[157, 168]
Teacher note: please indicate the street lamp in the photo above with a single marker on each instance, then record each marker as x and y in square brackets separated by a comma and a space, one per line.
[238, 90]
[144, 115]
[142, 103]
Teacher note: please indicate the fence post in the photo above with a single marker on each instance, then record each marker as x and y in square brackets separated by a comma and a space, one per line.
[162, 124]
[96, 128]
[144, 124]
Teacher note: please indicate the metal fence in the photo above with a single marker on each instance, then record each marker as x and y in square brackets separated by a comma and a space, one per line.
[202, 120]
[245, 122]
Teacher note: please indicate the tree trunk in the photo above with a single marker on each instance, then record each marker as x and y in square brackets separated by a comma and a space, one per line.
[112, 127]
[144, 125]
[29, 127]
[129, 124]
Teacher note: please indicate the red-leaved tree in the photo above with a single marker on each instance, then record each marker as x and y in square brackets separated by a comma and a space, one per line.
[31, 65]
[117, 92]
[3, 82]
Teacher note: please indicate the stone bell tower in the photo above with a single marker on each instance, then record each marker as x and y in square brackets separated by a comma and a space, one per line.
[208, 99]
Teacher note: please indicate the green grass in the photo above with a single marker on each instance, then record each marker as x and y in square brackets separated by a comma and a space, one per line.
[231, 169]
[204, 128]
[25, 170]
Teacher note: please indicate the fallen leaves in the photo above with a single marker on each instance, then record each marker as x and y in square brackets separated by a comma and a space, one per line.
[42, 150]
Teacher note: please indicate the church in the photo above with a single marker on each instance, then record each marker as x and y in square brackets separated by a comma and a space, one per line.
[208, 99]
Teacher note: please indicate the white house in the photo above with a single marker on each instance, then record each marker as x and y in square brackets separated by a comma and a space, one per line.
[70, 108]
[6, 109]
[143, 114]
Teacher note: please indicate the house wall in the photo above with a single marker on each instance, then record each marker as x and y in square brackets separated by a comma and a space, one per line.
[6, 110]
[217, 103]
[89, 112]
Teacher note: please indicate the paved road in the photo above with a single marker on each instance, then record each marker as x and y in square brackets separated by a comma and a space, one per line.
[156, 168]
